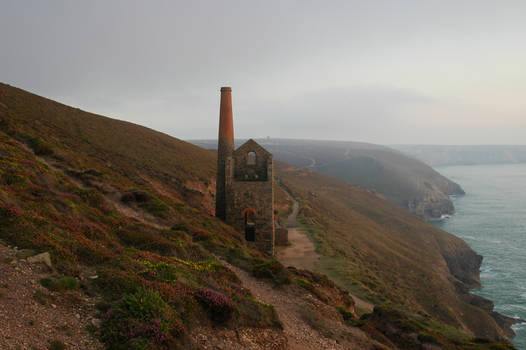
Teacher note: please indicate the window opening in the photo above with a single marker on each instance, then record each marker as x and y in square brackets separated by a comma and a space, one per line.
[251, 158]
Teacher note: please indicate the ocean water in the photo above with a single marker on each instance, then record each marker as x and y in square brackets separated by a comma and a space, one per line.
[491, 218]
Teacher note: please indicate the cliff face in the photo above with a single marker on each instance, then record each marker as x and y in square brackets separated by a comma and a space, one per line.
[387, 255]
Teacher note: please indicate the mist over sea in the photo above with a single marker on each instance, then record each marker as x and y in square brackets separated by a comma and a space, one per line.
[491, 218]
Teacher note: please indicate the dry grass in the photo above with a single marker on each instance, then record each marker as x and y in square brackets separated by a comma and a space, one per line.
[385, 254]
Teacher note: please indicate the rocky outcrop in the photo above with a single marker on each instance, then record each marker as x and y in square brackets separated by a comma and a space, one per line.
[432, 206]
[464, 264]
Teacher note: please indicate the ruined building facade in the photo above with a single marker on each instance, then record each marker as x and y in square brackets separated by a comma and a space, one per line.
[244, 188]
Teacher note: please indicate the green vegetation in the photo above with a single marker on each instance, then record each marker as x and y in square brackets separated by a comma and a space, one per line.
[39, 147]
[273, 270]
[139, 320]
[60, 284]
[56, 345]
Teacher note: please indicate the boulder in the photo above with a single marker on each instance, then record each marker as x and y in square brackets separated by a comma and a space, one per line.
[41, 258]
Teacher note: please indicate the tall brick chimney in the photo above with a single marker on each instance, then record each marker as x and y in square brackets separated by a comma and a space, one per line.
[225, 148]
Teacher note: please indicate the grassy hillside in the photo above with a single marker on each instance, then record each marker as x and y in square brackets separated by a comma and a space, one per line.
[387, 255]
[132, 207]
[129, 205]
[406, 181]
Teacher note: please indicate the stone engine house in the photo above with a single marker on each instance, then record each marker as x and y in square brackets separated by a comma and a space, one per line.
[245, 178]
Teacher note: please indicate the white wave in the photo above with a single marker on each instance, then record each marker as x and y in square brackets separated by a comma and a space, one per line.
[519, 326]
[470, 237]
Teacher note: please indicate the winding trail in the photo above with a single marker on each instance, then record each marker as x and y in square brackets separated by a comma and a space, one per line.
[301, 253]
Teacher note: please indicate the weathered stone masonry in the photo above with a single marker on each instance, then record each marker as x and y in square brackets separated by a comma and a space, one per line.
[245, 191]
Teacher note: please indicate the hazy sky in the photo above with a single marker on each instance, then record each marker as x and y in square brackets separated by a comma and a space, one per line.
[441, 72]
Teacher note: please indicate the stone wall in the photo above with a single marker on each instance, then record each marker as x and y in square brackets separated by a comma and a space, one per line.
[282, 236]
[250, 194]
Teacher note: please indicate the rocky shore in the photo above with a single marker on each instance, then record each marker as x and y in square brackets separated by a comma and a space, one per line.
[464, 264]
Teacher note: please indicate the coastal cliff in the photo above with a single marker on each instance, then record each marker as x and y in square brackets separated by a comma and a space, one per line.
[393, 259]
[124, 213]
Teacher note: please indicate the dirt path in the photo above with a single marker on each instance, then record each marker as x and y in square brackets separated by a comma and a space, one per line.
[301, 253]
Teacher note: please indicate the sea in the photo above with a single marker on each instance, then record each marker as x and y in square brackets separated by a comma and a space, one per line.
[491, 218]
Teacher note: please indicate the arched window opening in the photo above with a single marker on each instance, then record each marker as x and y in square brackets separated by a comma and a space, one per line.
[251, 158]
[250, 226]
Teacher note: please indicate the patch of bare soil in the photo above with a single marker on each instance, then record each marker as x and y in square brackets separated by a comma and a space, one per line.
[244, 338]
[31, 317]
[301, 253]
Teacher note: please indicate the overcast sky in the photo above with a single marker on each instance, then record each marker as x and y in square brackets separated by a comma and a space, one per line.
[426, 72]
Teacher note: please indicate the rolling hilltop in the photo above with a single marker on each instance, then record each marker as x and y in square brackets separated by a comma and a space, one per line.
[125, 213]
[404, 180]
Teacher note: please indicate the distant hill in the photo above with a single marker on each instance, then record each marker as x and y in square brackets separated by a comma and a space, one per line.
[404, 180]
[126, 214]
[442, 155]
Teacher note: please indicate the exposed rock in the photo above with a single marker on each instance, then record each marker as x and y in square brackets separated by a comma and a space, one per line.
[41, 258]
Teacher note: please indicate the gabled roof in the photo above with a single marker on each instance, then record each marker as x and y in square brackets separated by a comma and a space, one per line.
[251, 146]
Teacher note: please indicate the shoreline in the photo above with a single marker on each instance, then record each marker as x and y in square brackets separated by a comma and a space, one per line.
[509, 321]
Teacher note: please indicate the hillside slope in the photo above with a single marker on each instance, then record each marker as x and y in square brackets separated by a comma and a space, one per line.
[385, 254]
[131, 208]
[404, 180]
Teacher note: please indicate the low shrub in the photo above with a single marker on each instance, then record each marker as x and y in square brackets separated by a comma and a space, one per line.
[253, 313]
[12, 179]
[156, 207]
[427, 338]
[135, 196]
[311, 288]
[56, 345]
[201, 235]
[142, 320]
[346, 315]
[60, 284]
[271, 269]
[39, 146]
[147, 202]
[218, 305]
